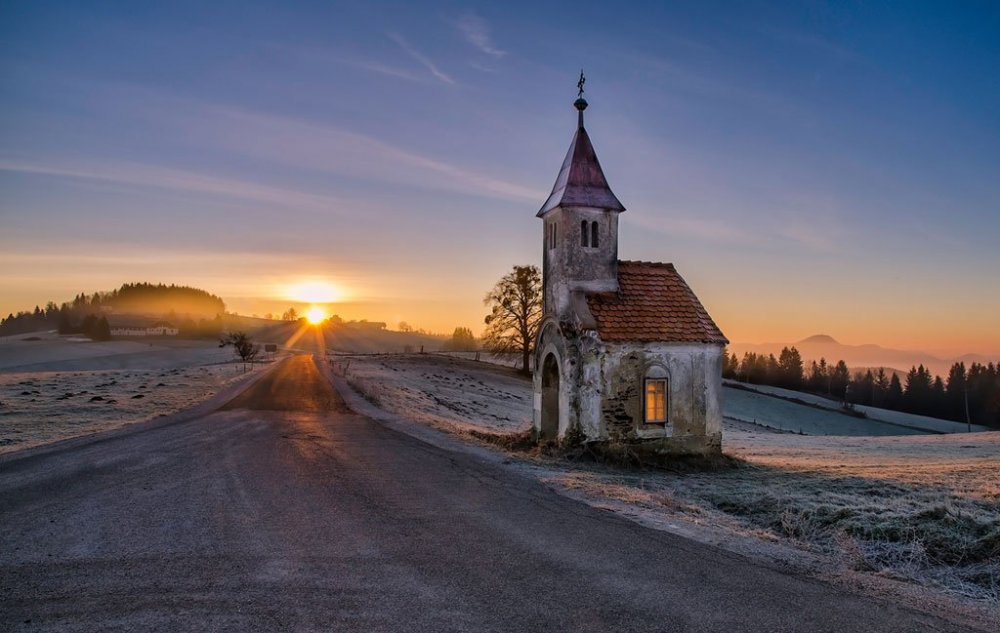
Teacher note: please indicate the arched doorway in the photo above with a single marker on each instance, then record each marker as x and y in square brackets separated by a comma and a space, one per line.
[550, 398]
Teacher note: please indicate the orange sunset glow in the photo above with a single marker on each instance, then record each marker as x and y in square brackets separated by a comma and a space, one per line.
[314, 291]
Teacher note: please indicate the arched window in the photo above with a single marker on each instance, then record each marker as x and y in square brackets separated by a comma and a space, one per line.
[583, 234]
[656, 396]
[593, 234]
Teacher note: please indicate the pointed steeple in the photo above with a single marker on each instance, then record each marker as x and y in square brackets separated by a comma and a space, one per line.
[581, 181]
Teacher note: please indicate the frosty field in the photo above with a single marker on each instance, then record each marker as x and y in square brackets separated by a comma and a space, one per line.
[916, 514]
[765, 410]
[61, 387]
[873, 414]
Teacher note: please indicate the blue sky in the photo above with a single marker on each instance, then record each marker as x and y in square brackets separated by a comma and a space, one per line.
[809, 167]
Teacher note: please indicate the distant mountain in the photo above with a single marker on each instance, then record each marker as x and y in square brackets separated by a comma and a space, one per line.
[819, 338]
[861, 356]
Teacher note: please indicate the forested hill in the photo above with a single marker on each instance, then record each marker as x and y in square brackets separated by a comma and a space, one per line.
[160, 300]
[146, 298]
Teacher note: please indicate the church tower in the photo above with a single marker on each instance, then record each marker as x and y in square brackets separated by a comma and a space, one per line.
[580, 217]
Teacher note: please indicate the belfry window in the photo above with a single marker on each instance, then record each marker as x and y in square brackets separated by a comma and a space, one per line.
[583, 234]
[593, 234]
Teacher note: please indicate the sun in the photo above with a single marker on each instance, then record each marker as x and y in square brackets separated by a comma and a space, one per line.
[315, 315]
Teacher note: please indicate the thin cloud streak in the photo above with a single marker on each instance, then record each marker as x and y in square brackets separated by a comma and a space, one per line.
[383, 69]
[420, 57]
[330, 149]
[312, 56]
[476, 31]
[144, 175]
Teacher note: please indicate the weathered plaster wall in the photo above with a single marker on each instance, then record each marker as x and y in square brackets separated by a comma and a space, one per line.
[601, 389]
[695, 387]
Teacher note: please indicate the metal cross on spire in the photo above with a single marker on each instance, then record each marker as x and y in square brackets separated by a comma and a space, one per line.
[580, 83]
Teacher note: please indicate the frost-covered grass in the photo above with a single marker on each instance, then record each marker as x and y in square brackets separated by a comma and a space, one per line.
[872, 413]
[441, 390]
[924, 509]
[80, 387]
[777, 413]
[894, 522]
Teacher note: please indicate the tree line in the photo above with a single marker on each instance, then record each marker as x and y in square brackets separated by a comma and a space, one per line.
[66, 319]
[85, 314]
[967, 395]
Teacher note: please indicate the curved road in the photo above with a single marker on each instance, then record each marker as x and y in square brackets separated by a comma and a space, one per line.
[285, 511]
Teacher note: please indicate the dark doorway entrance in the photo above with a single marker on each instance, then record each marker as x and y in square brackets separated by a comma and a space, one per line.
[550, 398]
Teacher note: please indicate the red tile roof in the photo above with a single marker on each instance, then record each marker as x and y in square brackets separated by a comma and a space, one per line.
[653, 303]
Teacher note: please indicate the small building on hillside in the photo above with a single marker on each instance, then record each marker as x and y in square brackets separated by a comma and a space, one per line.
[625, 350]
[162, 328]
[159, 328]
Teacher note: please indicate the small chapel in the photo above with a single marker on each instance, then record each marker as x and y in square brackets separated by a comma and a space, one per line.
[625, 350]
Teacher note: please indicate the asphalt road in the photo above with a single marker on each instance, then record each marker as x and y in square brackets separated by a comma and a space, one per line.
[285, 511]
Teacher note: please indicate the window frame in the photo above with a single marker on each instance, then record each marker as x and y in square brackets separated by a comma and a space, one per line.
[594, 232]
[665, 380]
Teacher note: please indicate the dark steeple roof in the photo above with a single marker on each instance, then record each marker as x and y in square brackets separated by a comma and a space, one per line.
[581, 181]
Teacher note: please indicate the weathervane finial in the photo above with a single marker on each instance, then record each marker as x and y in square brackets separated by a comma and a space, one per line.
[580, 104]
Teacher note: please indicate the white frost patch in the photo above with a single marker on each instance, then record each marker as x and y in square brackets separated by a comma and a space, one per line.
[874, 414]
[765, 410]
[75, 392]
[441, 390]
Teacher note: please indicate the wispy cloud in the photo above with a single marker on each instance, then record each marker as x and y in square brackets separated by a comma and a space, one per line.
[145, 175]
[383, 69]
[476, 31]
[481, 67]
[421, 58]
[313, 58]
[330, 149]
[310, 148]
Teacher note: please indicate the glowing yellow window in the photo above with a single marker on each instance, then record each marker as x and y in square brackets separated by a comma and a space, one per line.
[656, 401]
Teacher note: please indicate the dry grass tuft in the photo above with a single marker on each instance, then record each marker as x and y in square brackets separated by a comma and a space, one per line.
[520, 442]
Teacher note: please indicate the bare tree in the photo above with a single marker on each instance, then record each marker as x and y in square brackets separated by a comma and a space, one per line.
[246, 349]
[515, 312]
